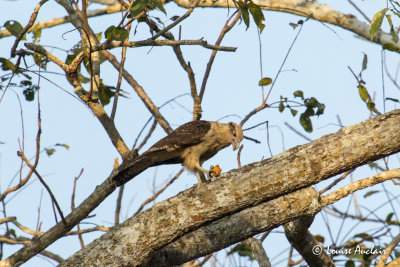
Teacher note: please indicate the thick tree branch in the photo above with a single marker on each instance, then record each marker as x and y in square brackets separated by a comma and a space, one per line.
[306, 244]
[313, 9]
[320, 12]
[389, 249]
[139, 237]
[59, 21]
[136, 239]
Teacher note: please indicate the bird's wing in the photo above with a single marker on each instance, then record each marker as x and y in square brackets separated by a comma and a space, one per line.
[165, 151]
[188, 134]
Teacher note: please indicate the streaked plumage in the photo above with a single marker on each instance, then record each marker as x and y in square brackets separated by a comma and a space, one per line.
[190, 144]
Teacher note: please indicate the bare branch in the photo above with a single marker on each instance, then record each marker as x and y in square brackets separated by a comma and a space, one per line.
[343, 176]
[27, 27]
[149, 42]
[252, 184]
[140, 91]
[259, 251]
[59, 21]
[53, 198]
[389, 249]
[227, 27]
[308, 9]
[358, 185]
[152, 198]
[177, 21]
[306, 244]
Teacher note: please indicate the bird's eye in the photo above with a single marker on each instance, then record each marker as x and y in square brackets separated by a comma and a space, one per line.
[234, 134]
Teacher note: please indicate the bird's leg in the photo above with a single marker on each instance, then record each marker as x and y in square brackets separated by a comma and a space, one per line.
[200, 171]
[200, 177]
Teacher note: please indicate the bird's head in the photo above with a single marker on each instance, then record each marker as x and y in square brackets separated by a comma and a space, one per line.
[236, 135]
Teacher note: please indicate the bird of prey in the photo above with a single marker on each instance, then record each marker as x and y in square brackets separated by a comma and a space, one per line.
[191, 144]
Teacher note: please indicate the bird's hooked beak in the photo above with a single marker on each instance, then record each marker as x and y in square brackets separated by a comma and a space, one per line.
[235, 143]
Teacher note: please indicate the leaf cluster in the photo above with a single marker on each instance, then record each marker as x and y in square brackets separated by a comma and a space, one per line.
[312, 108]
[248, 7]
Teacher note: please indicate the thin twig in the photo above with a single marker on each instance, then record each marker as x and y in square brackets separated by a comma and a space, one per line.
[118, 88]
[252, 139]
[344, 175]
[27, 27]
[149, 42]
[146, 138]
[360, 11]
[148, 121]
[297, 132]
[253, 112]
[227, 27]
[283, 62]
[73, 206]
[268, 143]
[140, 92]
[238, 156]
[177, 21]
[22, 156]
[152, 198]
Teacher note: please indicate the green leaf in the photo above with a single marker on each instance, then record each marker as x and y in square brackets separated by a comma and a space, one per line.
[371, 105]
[265, 81]
[281, 107]
[309, 112]
[293, 111]
[83, 79]
[63, 145]
[116, 33]
[390, 47]
[40, 60]
[14, 27]
[50, 151]
[311, 103]
[299, 93]
[245, 13]
[37, 33]
[7, 65]
[257, 14]
[392, 99]
[105, 94]
[370, 193]
[395, 37]
[321, 109]
[364, 62]
[363, 93]
[29, 94]
[159, 6]
[294, 25]
[376, 22]
[306, 123]
[350, 263]
[138, 7]
[243, 251]
[389, 217]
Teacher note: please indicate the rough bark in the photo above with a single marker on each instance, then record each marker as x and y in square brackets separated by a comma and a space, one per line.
[313, 9]
[232, 229]
[133, 242]
[306, 244]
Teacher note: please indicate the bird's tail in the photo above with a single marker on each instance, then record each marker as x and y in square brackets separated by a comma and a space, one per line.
[129, 170]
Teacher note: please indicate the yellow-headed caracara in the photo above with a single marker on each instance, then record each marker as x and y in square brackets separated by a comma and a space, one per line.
[190, 144]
